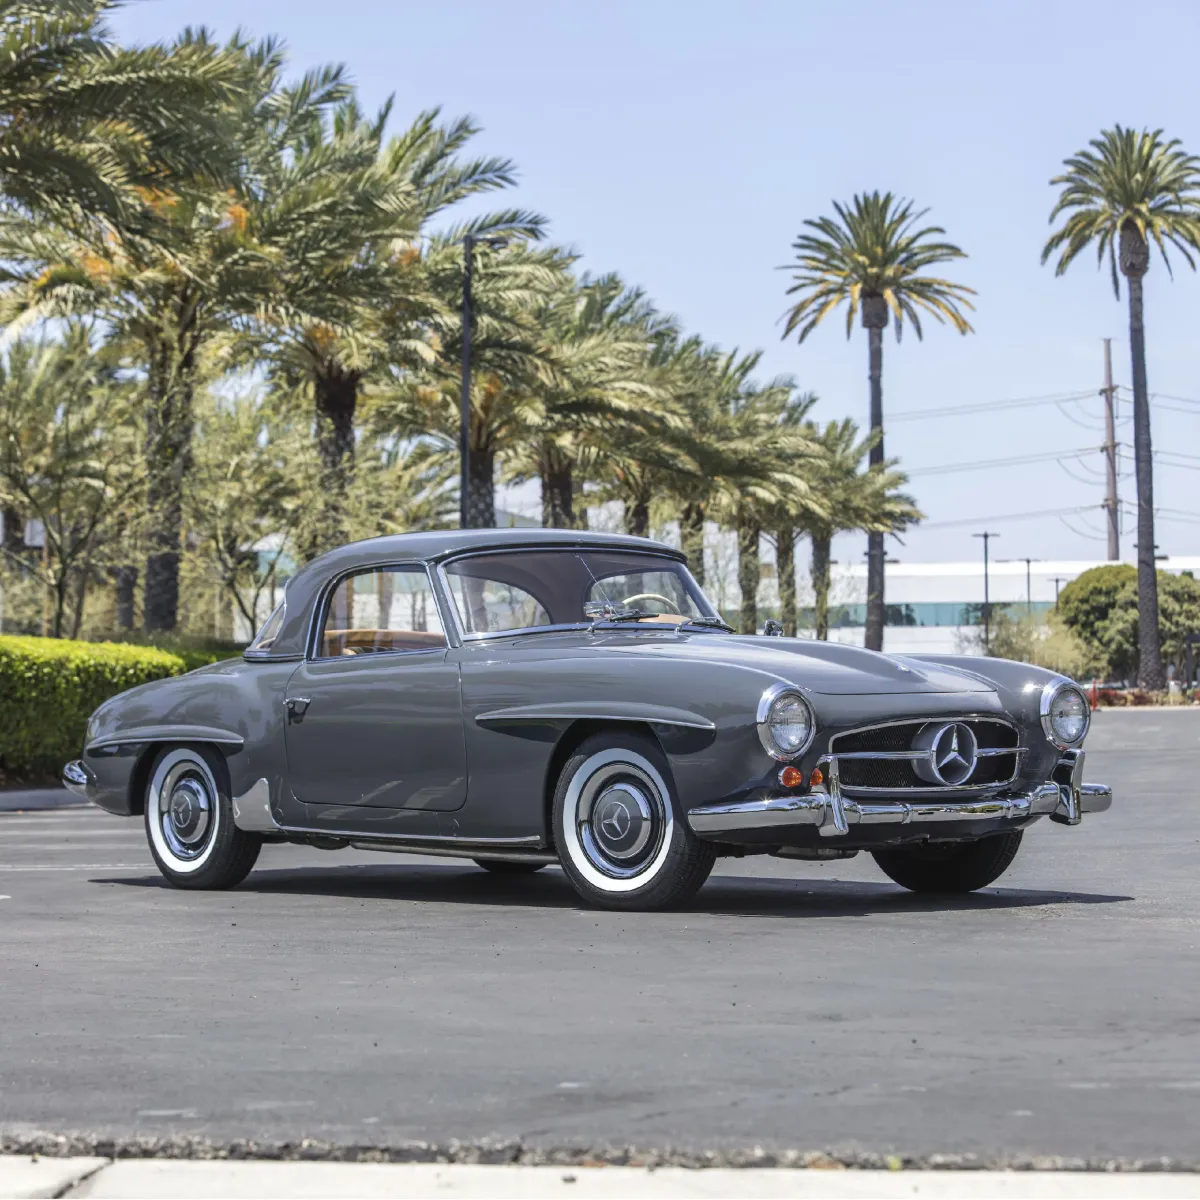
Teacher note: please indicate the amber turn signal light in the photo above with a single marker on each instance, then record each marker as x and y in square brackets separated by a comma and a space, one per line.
[816, 778]
[791, 777]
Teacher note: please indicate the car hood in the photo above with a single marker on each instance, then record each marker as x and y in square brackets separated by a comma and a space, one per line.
[825, 667]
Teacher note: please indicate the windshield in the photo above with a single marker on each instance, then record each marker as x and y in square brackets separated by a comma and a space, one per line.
[501, 593]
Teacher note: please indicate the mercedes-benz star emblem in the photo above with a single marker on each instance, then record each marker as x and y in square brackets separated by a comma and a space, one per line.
[615, 822]
[953, 754]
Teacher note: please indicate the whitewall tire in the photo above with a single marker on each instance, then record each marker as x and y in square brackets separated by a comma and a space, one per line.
[618, 826]
[189, 821]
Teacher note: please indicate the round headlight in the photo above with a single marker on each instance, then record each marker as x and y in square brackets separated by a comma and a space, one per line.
[1065, 713]
[785, 723]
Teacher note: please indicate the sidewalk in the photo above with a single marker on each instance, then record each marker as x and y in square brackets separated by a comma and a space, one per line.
[181, 1179]
[38, 800]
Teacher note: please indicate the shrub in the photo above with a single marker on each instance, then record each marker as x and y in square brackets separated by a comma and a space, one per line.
[1101, 608]
[195, 651]
[49, 688]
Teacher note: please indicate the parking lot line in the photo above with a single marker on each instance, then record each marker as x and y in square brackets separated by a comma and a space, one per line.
[75, 867]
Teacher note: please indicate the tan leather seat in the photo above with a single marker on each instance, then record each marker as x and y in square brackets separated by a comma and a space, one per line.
[379, 641]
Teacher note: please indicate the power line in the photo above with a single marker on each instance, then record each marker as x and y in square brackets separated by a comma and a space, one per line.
[1025, 516]
[1019, 460]
[918, 414]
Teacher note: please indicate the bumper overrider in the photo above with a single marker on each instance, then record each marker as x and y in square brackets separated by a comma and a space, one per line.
[1064, 799]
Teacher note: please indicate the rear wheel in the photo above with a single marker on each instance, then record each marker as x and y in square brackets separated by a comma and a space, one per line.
[507, 866]
[189, 821]
[618, 826]
[950, 867]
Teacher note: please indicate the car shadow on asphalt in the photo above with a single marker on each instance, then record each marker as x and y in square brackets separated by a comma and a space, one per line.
[723, 895]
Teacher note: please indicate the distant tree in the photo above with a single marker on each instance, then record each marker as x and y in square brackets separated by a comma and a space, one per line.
[1178, 615]
[1126, 190]
[1086, 603]
[68, 460]
[874, 257]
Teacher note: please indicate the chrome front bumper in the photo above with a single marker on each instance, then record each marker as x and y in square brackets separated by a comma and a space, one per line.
[833, 814]
[75, 779]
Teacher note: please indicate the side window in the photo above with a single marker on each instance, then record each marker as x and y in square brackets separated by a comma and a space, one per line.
[492, 606]
[385, 610]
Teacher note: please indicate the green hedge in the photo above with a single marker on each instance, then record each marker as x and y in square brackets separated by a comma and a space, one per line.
[48, 689]
[195, 651]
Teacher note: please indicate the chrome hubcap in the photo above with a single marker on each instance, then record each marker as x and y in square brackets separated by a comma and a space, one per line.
[620, 820]
[186, 811]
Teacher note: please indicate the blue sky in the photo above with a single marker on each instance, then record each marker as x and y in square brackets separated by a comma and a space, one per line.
[682, 145]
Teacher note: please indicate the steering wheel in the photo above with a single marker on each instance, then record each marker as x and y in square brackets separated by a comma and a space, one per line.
[671, 609]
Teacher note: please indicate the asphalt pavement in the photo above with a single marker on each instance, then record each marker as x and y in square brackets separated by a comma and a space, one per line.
[381, 1000]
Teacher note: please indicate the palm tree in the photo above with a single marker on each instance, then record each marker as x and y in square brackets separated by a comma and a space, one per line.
[766, 456]
[193, 260]
[1127, 190]
[82, 121]
[601, 387]
[358, 250]
[853, 499]
[511, 362]
[874, 256]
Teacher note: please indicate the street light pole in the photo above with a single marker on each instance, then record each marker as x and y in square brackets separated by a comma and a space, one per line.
[987, 604]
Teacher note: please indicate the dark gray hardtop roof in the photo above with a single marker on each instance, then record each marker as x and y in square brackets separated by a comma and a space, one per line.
[431, 546]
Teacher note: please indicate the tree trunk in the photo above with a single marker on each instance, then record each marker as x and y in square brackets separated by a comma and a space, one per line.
[82, 581]
[335, 392]
[481, 480]
[749, 574]
[691, 538]
[785, 569]
[14, 530]
[637, 515]
[873, 636]
[168, 457]
[1150, 665]
[819, 573]
[558, 489]
[125, 587]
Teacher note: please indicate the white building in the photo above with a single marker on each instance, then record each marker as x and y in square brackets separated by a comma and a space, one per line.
[933, 608]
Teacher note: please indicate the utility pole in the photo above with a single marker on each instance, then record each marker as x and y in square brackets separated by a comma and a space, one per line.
[1057, 581]
[1028, 578]
[1111, 502]
[987, 603]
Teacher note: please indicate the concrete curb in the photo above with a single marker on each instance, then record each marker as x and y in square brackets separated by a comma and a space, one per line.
[133, 1178]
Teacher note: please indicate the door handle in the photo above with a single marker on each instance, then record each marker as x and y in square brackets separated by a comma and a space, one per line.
[297, 706]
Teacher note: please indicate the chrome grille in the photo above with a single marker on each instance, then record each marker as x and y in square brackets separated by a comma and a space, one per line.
[885, 758]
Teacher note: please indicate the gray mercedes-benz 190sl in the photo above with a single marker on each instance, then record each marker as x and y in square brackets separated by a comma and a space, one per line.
[524, 697]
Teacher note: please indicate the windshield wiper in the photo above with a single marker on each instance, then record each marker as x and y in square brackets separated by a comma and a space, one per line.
[616, 615]
[710, 623]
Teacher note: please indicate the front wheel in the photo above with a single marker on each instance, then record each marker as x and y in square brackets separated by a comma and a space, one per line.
[950, 868]
[189, 821]
[619, 829]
